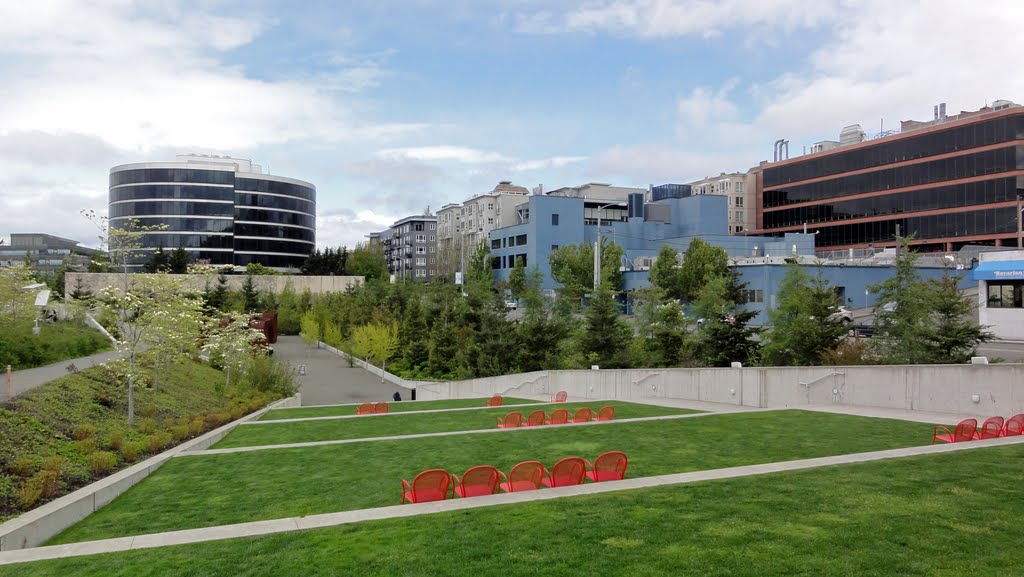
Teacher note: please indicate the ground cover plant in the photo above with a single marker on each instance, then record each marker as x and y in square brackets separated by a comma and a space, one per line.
[69, 432]
[202, 491]
[55, 342]
[891, 517]
[413, 423]
[399, 407]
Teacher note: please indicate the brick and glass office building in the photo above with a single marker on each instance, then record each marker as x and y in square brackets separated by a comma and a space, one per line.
[949, 182]
[225, 210]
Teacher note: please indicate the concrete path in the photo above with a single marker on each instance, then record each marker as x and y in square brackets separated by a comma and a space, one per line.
[328, 379]
[444, 434]
[287, 525]
[27, 379]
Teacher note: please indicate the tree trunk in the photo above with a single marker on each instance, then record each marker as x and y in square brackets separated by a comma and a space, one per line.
[383, 368]
[131, 388]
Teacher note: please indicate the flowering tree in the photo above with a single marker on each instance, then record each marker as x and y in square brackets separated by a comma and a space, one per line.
[232, 344]
[174, 329]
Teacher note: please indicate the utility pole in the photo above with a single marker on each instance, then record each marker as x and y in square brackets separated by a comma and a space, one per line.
[597, 247]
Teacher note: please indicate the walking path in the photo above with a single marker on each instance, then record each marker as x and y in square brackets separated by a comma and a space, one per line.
[328, 380]
[28, 379]
[439, 434]
[287, 525]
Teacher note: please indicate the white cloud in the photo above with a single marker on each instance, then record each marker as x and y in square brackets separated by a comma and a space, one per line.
[553, 162]
[459, 154]
[669, 18]
[346, 227]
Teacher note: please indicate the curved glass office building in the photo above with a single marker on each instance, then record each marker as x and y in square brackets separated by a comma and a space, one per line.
[221, 209]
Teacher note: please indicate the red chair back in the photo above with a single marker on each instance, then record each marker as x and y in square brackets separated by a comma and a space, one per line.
[560, 397]
[477, 481]
[365, 409]
[495, 401]
[568, 471]
[965, 430]
[1014, 426]
[525, 476]
[512, 420]
[991, 429]
[380, 407]
[605, 414]
[536, 418]
[559, 417]
[610, 466]
[582, 415]
[430, 485]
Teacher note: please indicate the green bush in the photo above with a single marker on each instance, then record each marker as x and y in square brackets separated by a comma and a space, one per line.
[267, 374]
[102, 463]
[8, 493]
[83, 432]
[116, 440]
[55, 342]
[87, 446]
[147, 426]
[130, 451]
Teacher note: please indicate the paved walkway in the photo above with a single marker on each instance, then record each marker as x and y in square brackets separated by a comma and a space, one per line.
[328, 379]
[287, 525]
[27, 379]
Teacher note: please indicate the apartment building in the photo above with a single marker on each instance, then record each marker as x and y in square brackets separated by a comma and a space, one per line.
[410, 248]
[740, 188]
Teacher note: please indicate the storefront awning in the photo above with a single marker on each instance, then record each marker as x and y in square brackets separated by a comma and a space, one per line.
[999, 270]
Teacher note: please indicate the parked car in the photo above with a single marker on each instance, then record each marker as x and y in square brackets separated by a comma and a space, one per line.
[843, 314]
[511, 304]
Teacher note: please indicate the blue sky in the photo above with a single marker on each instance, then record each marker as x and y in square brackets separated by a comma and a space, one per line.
[392, 106]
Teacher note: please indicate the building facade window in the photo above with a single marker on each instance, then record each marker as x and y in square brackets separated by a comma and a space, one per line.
[554, 220]
[739, 200]
[1007, 294]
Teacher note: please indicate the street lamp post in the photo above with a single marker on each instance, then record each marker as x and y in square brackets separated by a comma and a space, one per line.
[597, 246]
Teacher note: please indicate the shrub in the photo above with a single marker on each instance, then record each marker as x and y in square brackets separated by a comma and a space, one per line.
[179, 433]
[147, 426]
[83, 432]
[116, 440]
[102, 463]
[267, 374]
[54, 464]
[149, 411]
[8, 493]
[29, 493]
[87, 446]
[157, 441]
[23, 466]
[130, 451]
[197, 426]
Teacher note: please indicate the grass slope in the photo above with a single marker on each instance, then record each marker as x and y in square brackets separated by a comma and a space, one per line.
[411, 424]
[931, 515]
[220, 489]
[399, 407]
[56, 342]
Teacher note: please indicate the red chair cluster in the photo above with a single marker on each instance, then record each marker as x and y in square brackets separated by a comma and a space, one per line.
[558, 417]
[992, 428]
[437, 484]
[559, 397]
[371, 408]
[495, 401]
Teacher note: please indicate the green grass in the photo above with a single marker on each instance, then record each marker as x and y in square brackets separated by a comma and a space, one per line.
[400, 407]
[931, 515]
[211, 490]
[56, 342]
[412, 423]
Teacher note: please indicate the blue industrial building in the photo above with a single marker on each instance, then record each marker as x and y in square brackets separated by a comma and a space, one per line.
[641, 228]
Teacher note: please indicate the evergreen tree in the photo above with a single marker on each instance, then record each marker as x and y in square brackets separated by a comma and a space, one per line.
[701, 263]
[179, 261]
[367, 260]
[725, 336]
[665, 273]
[804, 325]
[605, 337]
[953, 335]
[159, 261]
[901, 312]
[250, 294]
[443, 348]
[517, 279]
[541, 332]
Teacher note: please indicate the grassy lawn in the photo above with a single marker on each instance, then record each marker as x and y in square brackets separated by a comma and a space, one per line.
[932, 515]
[219, 489]
[412, 423]
[400, 407]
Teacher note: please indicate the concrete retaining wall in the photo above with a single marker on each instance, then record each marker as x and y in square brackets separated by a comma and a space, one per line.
[97, 281]
[389, 377]
[39, 525]
[953, 389]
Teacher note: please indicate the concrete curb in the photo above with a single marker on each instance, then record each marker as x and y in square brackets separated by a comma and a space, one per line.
[509, 408]
[41, 524]
[291, 524]
[441, 434]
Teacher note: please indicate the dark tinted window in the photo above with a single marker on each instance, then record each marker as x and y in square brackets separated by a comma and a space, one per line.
[275, 187]
[274, 231]
[138, 208]
[275, 217]
[180, 224]
[267, 201]
[181, 191]
[172, 175]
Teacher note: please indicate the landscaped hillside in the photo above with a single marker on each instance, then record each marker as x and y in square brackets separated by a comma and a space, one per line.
[74, 430]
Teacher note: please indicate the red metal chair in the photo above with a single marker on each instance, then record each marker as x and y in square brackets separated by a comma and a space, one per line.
[535, 418]
[525, 476]
[964, 431]
[476, 482]
[992, 428]
[365, 409]
[1013, 426]
[380, 407]
[559, 417]
[605, 414]
[511, 421]
[495, 401]
[568, 471]
[430, 485]
[610, 466]
[560, 397]
[582, 415]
